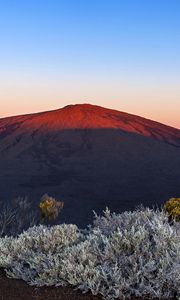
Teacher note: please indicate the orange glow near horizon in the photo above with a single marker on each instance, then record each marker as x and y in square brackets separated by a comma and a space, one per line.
[108, 53]
[158, 103]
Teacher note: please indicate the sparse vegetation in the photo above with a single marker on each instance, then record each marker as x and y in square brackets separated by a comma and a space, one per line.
[119, 255]
[17, 216]
[21, 213]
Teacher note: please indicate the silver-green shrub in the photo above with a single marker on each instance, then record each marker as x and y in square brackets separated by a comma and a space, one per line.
[120, 255]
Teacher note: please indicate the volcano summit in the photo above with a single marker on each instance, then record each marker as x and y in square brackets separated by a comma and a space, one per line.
[91, 157]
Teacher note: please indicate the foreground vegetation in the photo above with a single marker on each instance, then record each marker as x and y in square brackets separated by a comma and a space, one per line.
[119, 255]
[20, 214]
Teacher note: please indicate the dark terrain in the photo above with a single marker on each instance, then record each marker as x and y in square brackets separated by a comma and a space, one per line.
[90, 157]
[15, 289]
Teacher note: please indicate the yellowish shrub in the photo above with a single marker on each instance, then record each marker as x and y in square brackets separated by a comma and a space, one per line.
[172, 206]
[50, 208]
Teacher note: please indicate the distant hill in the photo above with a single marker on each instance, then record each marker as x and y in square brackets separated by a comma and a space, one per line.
[91, 157]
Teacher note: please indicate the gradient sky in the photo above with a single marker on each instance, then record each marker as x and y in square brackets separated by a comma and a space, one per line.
[118, 54]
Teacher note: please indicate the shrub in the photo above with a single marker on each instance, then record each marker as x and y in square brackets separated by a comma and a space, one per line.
[172, 206]
[21, 213]
[37, 252]
[50, 208]
[120, 255]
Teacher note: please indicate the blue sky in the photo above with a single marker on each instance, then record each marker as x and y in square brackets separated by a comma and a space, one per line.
[113, 53]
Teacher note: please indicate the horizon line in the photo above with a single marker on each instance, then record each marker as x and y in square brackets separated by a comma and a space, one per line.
[90, 104]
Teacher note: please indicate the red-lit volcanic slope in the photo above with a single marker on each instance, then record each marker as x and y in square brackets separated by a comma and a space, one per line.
[91, 157]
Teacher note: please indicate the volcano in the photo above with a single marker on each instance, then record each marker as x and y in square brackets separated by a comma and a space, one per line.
[90, 157]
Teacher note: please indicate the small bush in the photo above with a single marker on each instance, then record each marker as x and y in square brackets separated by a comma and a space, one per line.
[50, 208]
[172, 207]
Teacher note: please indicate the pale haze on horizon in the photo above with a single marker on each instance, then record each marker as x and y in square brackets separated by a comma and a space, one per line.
[122, 55]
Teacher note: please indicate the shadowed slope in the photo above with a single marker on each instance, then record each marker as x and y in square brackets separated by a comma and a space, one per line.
[91, 157]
